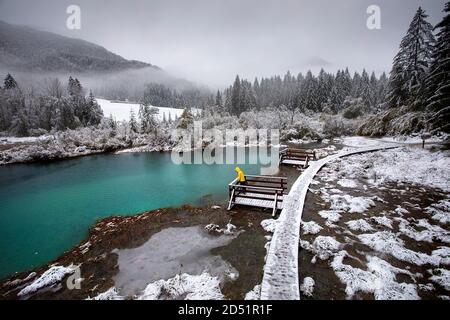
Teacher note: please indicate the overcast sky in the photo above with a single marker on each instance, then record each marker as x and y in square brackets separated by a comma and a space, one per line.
[210, 41]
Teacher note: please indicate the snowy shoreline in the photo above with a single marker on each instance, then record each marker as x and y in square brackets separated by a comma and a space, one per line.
[45, 148]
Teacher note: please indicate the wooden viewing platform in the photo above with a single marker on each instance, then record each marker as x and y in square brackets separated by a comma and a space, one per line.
[258, 191]
[298, 157]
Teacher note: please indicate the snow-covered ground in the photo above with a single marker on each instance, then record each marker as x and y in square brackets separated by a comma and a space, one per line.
[386, 234]
[121, 110]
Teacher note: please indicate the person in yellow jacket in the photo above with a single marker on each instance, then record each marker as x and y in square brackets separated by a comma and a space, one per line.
[240, 175]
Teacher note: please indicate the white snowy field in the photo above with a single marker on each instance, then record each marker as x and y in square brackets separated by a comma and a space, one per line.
[121, 110]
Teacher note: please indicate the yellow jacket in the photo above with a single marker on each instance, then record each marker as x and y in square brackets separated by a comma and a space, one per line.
[240, 174]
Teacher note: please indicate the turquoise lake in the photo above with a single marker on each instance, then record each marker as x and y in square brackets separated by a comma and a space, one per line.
[47, 208]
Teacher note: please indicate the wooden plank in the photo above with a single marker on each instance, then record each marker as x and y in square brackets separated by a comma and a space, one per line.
[257, 203]
[230, 204]
[267, 177]
[275, 206]
[248, 187]
[295, 162]
[259, 196]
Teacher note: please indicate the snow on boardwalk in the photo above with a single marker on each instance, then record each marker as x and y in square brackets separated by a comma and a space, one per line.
[280, 281]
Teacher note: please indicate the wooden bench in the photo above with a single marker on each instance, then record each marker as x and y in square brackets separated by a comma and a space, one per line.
[258, 191]
[297, 157]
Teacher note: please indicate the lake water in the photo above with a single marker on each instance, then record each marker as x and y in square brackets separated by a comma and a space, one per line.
[47, 208]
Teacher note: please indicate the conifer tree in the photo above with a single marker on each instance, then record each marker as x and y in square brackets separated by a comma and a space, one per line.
[438, 81]
[411, 64]
[10, 83]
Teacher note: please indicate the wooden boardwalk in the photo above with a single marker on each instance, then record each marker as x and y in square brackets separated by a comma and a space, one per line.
[258, 191]
[280, 280]
[296, 157]
[260, 203]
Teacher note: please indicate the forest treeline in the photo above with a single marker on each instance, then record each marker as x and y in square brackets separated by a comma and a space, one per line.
[414, 97]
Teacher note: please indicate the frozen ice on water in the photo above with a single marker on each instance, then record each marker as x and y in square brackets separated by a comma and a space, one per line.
[170, 252]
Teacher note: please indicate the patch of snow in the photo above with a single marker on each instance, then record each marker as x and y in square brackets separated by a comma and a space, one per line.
[359, 225]
[442, 278]
[388, 242]
[429, 234]
[50, 277]
[110, 294]
[440, 211]
[401, 211]
[307, 287]
[330, 215]
[121, 110]
[379, 279]
[85, 247]
[18, 282]
[350, 203]
[269, 225]
[7, 140]
[359, 142]
[310, 227]
[231, 228]
[254, 294]
[347, 183]
[416, 166]
[184, 286]
[323, 247]
[384, 221]
[213, 228]
[443, 253]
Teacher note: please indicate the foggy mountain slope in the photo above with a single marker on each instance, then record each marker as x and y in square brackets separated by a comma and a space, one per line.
[27, 49]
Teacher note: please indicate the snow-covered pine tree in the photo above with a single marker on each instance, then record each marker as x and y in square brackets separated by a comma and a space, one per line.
[309, 93]
[186, 119]
[438, 81]
[346, 83]
[133, 123]
[364, 89]
[356, 85]
[219, 99]
[373, 90]
[94, 111]
[411, 64]
[236, 97]
[10, 83]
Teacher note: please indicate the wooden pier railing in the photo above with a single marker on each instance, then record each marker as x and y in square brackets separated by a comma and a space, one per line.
[258, 191]
[297, 157]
